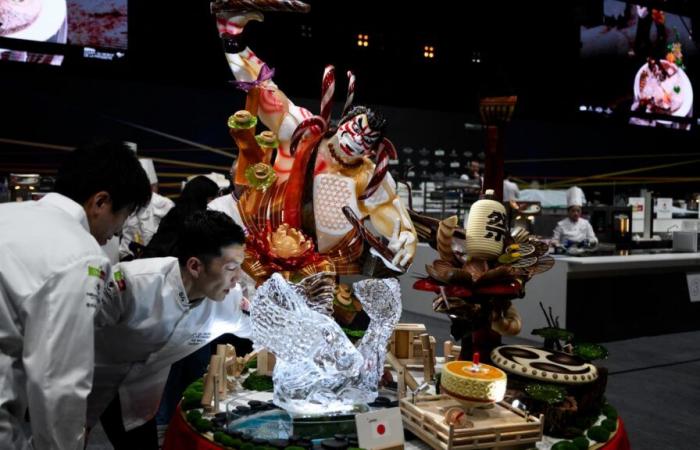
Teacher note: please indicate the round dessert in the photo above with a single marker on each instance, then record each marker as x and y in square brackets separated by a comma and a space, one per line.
[462, 381]
[16, 15]
[544, 365]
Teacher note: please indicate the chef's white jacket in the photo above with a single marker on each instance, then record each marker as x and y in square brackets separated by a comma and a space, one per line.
[227, 205]
[145, 324]
[511, 191]
[578, 231]
[143, 224]
[52, 272]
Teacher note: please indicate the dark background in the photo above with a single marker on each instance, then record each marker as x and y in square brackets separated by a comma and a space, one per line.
[175, 80]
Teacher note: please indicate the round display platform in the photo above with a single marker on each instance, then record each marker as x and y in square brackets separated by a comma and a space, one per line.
[544, 365]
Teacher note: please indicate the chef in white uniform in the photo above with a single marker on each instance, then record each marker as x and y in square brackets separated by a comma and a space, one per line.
[511, 191]
[142, 225]
[228, 204]
[156, 312]
[52, 272]
[574, 230]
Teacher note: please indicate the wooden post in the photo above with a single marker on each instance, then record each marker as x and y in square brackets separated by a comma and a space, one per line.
[496, 112]
[221, 353]
[428, 361]
[266, 362]
[210, 381]
[404, 376]
[447, 351]
[402, 344]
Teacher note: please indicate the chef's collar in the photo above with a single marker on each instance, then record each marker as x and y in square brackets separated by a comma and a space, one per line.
[186, 302]
[67, 205]
[196, 302]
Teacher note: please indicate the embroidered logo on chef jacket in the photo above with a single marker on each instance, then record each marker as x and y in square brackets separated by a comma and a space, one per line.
[199, 338]
[119, 279]
[97, 272]
[94, 292]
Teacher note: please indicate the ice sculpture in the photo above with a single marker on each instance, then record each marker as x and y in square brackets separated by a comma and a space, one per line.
[381, 300]
[318, 369]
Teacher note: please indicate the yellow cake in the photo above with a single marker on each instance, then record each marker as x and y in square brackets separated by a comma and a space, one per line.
[487, 385]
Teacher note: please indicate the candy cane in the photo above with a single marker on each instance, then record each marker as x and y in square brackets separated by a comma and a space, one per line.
[259, 5]
[386, 152]
[327, 91]
[351, 93]
[302, 128]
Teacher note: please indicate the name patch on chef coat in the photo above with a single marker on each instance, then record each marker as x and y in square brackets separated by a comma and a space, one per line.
[94, 295]
[119, 279]
[199, 338]
[96, 272]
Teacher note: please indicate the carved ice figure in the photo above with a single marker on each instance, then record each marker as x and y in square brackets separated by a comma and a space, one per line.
[318, 369]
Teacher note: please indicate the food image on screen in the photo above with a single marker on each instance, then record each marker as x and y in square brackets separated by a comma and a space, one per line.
[16, 15]
[662, 87]
[100, 27]
[638, 59]
[98, 23]
[33, 20]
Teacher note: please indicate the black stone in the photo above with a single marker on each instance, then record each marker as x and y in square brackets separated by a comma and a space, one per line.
[334, 444]
[235, 434]
[260, 442]
[340, 437]
[256, 403]
[279, 443]
[218, 422]
[243, 409]
[382, 400]
[306, 443]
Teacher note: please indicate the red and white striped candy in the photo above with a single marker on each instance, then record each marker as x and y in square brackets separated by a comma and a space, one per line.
[386, 152]
[327, 91]
[351, 92]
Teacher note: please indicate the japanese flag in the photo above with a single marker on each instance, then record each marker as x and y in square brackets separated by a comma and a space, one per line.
[380, 429]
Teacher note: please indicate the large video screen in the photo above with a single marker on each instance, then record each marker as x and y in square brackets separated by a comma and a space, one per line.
[640, 60]
[99, 28]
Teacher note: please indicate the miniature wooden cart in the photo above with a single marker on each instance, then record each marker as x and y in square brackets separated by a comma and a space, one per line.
[501, 426]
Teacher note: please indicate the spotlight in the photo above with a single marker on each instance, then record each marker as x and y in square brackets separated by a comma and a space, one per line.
[363, 40]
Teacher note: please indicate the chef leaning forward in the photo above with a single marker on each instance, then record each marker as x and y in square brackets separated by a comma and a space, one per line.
[52, 272]
[574, 230]
[156, 312]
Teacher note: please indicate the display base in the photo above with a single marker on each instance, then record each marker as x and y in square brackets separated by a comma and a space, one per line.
[500, 426]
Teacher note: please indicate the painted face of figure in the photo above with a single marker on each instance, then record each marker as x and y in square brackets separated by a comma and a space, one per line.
[355, 136]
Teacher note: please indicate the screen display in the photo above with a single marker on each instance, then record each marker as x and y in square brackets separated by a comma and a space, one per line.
[97, 27]
[639, 60]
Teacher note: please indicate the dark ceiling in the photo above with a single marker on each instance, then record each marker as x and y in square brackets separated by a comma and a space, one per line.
[515, 44]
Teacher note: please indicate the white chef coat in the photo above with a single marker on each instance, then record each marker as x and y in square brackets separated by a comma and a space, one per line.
[229, 206]
[111, 249]
[510, 191]
[143, 224]
[52, 272]
[578, 231]
[145, 324]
